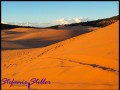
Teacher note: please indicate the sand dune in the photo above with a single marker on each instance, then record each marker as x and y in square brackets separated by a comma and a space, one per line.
[88, 61]
[22, 38]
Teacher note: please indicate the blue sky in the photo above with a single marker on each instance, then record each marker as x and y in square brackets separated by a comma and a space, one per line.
[46, 12]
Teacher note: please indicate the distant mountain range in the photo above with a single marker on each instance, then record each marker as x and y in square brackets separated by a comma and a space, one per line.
[95, 23]
[7, 26]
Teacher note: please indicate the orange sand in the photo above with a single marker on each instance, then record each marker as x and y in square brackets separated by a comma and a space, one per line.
[23, 38]
[88, 61]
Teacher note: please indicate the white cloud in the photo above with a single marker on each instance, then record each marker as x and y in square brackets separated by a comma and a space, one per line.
[77, 20]
[68, 21]
[3, 22]
[62, 21]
